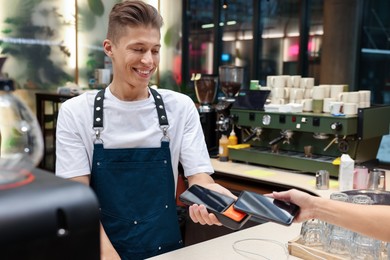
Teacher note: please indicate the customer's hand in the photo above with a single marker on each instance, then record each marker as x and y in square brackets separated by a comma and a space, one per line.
[305, 201]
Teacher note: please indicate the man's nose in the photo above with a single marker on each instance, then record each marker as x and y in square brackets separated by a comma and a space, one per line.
[147, 58]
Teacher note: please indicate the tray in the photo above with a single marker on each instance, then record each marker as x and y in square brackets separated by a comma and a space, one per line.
[298, 249]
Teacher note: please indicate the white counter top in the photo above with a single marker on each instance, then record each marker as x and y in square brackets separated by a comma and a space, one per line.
[266, 241]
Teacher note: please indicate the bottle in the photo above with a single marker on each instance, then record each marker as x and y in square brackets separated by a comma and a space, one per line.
[232, 138]
[346, 172]
[223, 148]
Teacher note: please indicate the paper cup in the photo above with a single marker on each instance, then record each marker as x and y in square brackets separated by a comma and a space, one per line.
[350, 108]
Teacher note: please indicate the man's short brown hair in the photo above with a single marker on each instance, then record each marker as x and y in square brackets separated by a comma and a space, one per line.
[134, 13]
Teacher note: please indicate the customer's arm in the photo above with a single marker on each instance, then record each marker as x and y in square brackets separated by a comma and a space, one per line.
[370, 220]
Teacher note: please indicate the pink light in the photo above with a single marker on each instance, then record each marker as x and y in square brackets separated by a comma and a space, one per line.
[293, 50]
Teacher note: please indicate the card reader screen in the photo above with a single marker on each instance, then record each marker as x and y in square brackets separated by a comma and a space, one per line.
[211, 199]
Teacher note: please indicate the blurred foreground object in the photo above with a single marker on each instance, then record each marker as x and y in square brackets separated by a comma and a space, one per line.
[21, 141]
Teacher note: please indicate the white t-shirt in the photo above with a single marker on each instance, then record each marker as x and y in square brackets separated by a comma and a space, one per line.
[129, 125]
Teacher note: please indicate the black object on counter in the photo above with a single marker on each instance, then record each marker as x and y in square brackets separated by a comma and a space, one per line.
[251, 99]
[49, 218]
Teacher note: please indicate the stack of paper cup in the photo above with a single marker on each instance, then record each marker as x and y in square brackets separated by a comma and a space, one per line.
[351, 101]
[296, 95]
[349, 97]
[295, 81]
[364, 98]
[335, 90]
[318, 99]
[350, 108]
[326, 106]
[279, 90]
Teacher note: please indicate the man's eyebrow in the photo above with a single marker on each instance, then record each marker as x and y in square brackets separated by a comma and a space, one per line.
[143, 44]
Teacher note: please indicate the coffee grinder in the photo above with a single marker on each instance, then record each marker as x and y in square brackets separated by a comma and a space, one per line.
[206, 89]
[231, 80]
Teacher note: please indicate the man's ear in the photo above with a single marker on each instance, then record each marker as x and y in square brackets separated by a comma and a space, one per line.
[107, 46]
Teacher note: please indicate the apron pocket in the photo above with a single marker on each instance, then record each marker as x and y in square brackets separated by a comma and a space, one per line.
[144, 186]
[144, 238]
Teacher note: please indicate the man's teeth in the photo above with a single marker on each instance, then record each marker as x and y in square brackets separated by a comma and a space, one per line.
[144, 72]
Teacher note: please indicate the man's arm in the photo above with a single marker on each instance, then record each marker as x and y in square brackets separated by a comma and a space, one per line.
[107, 250]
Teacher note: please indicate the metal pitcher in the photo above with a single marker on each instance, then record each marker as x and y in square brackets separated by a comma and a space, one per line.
[376, 180]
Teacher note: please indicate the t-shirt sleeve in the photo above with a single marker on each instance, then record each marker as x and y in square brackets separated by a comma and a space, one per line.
[71, 154]
[194, 155]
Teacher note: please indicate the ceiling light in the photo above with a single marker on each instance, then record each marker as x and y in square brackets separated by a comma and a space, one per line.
[225, 5]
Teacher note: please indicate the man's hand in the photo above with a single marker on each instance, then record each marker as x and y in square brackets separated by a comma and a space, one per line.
[199, 213]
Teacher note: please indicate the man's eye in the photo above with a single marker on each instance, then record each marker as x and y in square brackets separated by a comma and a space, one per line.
[156, 52]
[138, 50]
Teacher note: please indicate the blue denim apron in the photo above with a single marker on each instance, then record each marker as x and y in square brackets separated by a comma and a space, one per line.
[136, 191]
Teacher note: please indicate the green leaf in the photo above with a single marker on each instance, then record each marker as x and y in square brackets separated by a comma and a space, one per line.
[96, 7]
[6, 31]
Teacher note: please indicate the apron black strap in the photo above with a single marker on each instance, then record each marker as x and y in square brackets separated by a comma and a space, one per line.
[98, 110]
[98, 113]
[162, 115]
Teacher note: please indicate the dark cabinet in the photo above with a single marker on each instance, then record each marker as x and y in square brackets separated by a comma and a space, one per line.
[48, 105]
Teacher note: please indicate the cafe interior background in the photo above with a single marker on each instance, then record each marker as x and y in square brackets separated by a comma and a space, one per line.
[47, 44]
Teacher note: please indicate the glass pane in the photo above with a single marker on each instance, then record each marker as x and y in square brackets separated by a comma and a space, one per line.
[316, 32]
[237, 40]
[201, 40]
[281, 38]
[375, 51]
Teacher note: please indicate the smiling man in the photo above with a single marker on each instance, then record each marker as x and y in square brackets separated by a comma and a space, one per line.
[127, 140]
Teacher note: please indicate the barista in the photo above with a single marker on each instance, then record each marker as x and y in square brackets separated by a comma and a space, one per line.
[126, 142]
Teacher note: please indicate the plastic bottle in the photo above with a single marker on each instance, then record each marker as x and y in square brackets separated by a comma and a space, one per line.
[232, 138]
[223, 148]
[346, 172]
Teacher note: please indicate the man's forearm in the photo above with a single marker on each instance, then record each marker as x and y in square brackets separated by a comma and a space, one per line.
[200, 179]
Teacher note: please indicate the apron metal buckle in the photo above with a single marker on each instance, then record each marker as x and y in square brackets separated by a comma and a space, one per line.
[165, 137]
[97, 134]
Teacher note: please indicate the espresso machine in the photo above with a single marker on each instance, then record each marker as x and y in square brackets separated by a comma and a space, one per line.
[307, 142]
[206, 89]
[231, 81]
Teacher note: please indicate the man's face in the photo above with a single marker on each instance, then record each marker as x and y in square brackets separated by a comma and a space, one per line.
[136, 55]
